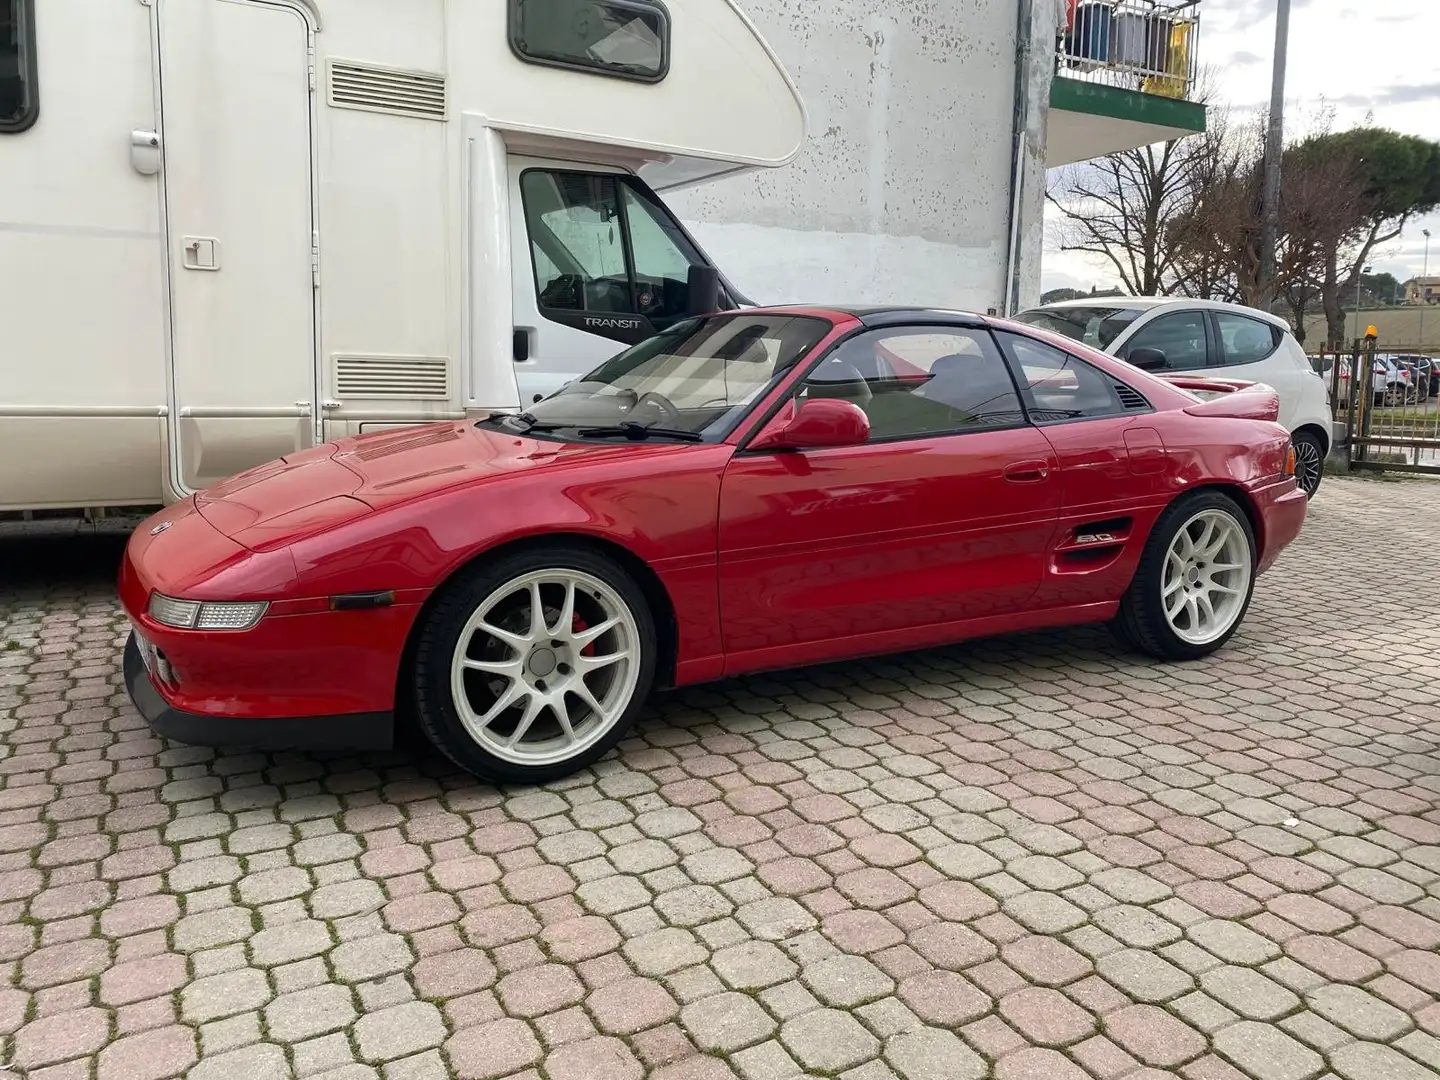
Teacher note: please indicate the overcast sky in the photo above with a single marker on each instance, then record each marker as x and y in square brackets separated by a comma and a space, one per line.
[1380, 56]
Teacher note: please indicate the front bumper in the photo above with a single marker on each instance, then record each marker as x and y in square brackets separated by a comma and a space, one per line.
[347, 731]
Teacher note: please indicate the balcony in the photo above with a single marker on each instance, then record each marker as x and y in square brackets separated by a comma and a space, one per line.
[1124, 74]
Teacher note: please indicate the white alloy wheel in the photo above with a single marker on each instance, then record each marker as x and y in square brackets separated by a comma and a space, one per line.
[545, 667]
[1205, 580]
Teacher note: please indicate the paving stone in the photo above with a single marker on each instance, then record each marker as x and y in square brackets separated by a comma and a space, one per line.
[1145, 976]
[399, 1031]
[1362, 1014]
[631, 1005]
[217, 996]
[493, 1050]
[1248, 992]
[846, 981]
[1264, 1051]
[753, 965]
[264, 1061]
[308, 1013]
[726, 1022]
[932, 1054]
[827, 1040]
[1153, 1036]
[1046, 1017]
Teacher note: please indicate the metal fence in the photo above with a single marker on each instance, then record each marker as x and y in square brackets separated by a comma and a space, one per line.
[1388, 397]
[1140, 45]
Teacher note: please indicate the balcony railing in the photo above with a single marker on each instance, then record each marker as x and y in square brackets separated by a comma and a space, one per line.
[1143, 45]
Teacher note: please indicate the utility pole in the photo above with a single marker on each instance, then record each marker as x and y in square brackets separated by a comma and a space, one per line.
[1424, 295]
[1274, 148]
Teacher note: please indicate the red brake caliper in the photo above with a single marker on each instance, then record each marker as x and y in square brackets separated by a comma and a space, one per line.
[578, 625]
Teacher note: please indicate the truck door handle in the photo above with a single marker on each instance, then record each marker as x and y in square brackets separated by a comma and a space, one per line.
[1026, 472]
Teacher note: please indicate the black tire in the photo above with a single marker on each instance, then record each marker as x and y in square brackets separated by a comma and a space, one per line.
[1309, 461]
[435, 708]
[1141, 620]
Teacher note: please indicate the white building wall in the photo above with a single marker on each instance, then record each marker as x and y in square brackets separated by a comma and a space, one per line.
[903, 191]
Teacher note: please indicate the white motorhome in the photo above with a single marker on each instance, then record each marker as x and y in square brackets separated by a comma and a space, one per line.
[234, 228]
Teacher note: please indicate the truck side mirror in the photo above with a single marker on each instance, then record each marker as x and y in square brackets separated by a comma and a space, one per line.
[703, 290]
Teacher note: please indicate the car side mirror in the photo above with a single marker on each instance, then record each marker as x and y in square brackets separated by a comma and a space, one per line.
[817, 423]
[1147, 359]
[702, 290]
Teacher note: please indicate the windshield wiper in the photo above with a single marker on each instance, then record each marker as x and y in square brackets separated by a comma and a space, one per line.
[636, 431]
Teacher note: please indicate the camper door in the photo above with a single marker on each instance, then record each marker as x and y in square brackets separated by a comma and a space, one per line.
[236, 139]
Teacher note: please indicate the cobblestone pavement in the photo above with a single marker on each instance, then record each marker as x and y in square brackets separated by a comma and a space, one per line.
[1033, 857]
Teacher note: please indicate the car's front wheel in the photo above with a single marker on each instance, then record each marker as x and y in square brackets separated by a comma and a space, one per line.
[1309, 462]
[532, 667]
[1194, 582]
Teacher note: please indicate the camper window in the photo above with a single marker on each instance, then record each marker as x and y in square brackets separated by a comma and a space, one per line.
[601, 244]
[19, 105]
[629, 39]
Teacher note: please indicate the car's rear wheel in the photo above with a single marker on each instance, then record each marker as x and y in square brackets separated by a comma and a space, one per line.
[1309, 462]
[533, 667]
[1194, 582]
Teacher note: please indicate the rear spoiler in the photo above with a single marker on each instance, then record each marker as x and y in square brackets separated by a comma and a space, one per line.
[1234, 399]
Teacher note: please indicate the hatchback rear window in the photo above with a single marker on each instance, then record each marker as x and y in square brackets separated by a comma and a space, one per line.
[1093, 326]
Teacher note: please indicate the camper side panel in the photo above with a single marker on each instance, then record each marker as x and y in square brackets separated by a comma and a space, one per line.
[83, 349]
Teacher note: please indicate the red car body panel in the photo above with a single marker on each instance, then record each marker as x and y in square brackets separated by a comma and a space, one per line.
[767, 560]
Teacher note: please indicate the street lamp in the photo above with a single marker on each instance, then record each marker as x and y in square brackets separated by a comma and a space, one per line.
[1358, 278]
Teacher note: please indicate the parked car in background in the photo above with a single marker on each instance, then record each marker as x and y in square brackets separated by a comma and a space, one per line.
[1173, 336]
[1390, 384]
[1424, 376]
[743, 491]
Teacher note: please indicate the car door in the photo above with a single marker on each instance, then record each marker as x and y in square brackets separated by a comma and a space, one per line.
[944, 515]
[1183, 336]
[1113, 469]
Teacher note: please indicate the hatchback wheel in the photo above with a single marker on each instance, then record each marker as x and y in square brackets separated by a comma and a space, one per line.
[1193, 585]
[533, 667]
[1309, 462]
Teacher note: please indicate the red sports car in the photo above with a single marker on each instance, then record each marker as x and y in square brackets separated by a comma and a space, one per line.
[748, 490]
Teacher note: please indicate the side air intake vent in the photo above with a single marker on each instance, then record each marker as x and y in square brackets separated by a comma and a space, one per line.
[1131, 398]
[387, 90]
[390, 377]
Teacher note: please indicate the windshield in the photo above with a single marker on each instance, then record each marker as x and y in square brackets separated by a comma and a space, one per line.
[695, 379]
[1094, 326]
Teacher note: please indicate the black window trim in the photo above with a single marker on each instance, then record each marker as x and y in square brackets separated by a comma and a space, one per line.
[1277, 338]
[1016, 370]
[620, 326]
[743, 447]
[28, 54]
[649, 7]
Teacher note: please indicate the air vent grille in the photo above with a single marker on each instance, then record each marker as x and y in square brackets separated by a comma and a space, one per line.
[387, 90]
[1131, 398]
[391, 377]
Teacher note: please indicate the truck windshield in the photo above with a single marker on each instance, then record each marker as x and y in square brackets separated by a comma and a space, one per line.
[695, 380]
[1093, 326]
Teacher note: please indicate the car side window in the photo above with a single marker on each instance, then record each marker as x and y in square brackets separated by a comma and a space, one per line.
[1244, 340]
[920, 381]
[1181, 337]
[1058, 387]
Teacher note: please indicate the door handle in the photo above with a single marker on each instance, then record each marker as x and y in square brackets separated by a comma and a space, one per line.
[1026, 472]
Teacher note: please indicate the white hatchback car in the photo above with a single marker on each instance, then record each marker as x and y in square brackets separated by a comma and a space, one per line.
[1167, 334]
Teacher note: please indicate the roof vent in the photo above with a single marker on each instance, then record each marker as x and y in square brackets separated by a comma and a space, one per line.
[387, 90]
[391, 377]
